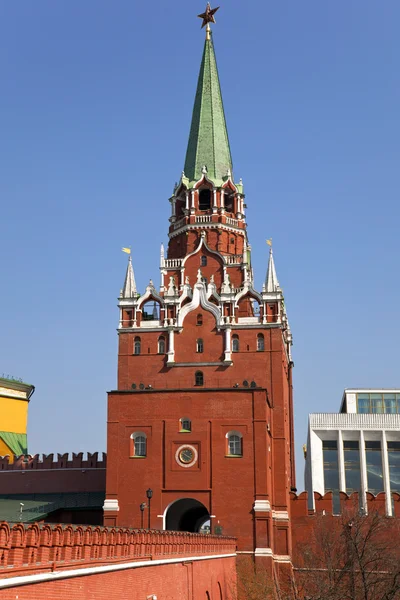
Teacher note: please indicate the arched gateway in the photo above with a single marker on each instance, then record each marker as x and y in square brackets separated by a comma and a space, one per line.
[186, 514]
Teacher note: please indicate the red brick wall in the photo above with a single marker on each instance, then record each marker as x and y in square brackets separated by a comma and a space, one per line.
[45, 550]
[42, 475]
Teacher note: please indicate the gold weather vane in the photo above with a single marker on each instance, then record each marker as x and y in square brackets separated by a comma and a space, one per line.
[208, 17]
[269, 242]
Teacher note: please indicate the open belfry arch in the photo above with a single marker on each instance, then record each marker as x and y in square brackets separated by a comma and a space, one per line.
[204, 364]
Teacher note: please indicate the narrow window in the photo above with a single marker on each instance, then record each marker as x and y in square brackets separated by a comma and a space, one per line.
[199, 378]
[234, 444]
[200, 346]
[229, 202]
[260, 343]
[186, 424]
[199, 319]
[203, 261]
[352, 466]
[331, 472]
[204, 199]
[139, 444]
[235, 343]
[161, 345]
[373, 456]
[137, 345]
[394, 465]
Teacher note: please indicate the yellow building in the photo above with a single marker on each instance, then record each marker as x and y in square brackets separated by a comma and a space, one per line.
[14, 400]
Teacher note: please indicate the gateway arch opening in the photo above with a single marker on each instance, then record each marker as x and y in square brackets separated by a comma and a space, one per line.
[188, 514]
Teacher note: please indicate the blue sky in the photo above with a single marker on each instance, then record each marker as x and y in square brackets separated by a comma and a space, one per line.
[95, 107]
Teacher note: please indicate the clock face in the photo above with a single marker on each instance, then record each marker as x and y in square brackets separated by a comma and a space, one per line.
[186, 456]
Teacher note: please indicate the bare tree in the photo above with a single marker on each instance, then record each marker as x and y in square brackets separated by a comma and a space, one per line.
[355, 557]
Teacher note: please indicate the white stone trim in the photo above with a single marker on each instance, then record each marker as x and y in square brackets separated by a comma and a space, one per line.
[263, 552]
[110, 504]
[282, 558]
[280, 515]
[262, 506]
[57, 575]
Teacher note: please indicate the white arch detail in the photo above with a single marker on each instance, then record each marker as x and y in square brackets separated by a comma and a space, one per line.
[248, 290]
[199, 299]
[149, 293]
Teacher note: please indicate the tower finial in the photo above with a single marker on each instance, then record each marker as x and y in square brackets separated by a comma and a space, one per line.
[208, 17]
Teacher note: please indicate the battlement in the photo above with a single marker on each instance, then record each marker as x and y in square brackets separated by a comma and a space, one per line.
[45, 547]
[348, 503]
[26, 462]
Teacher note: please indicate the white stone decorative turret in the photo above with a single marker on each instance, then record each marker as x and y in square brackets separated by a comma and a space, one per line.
[271, 280]
[129, 290]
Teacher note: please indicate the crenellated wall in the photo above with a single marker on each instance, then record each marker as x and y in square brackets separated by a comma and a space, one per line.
[27, 462]
[42, 474]
[40, 561]
[306, 522]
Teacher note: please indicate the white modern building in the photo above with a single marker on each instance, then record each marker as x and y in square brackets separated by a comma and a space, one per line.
[357, 449]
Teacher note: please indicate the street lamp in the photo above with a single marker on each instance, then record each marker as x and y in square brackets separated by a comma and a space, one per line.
[149, 494]
[142, 508]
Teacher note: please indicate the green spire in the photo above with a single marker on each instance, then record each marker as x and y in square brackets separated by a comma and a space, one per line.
[208, 140]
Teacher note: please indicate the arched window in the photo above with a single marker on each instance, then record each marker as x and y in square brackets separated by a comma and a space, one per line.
[229, 202]
[234, 446]
[139, 444]
[185, 424]
[198, 378]
[204, 199]
[200, 346]
[235, 343]
[260, 343]
[199, 319]
[161, 345]
[151, 311]
[137, 346]
[203, 261]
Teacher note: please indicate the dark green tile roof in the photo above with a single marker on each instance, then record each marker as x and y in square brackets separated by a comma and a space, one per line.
[208, 140]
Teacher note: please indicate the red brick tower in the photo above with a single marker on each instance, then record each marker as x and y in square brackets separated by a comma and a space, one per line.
[203, 411]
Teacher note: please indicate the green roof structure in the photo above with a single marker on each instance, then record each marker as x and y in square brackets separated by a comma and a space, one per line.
[17, 442]
[208, 140]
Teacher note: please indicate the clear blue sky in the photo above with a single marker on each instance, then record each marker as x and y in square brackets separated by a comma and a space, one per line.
[95, 107]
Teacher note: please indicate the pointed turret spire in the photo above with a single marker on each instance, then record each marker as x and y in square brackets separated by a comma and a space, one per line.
[271, 281]
[208, 140]
[129, 290]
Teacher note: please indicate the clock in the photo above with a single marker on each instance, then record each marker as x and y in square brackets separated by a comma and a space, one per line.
[186, 456]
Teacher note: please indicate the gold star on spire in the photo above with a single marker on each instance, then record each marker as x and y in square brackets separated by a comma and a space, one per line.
[208, 17]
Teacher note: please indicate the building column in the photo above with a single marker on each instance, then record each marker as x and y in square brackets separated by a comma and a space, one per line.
[228, 356]
[386, 475]
[364, 478]
[187, 200]
[215, 202]
[342, 474]
[222, 201]
[192, 209]
[171, 347]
